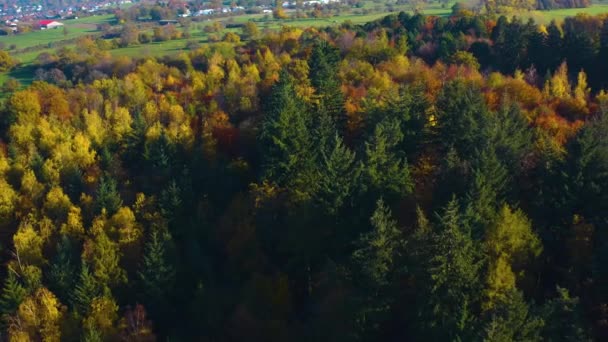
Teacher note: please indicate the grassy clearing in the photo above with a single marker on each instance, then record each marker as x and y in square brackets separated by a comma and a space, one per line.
[44, 37]
[75, 28]
[561, 14]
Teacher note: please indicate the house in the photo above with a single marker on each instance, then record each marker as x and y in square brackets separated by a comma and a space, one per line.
[49, 24]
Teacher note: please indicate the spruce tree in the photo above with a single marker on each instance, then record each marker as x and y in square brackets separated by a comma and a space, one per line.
[461, 114]
[454, 273]
[386, 171]
[63, 272]
[85, 291]
[374, 264]
[108, 197]
[323, 70]
[285, 138]
[339, 174]
[13, 294]
[564, 319]
[156, 276]
[512, 319]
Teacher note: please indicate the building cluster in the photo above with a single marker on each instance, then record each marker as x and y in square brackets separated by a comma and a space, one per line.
[14, 14]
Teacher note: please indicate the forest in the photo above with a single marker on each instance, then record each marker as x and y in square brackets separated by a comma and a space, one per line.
[414, 178]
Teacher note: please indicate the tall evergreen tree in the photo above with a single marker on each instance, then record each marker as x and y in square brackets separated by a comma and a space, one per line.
[386, 172]
[13, 293]
[157, 277]
[512, 319]
[486, 190]
[602, 56]
[323, 64]
[461, 113]
[564, 319]
[374, 262]
[339, 175]
[108, 197]
[285, 138]
[555, 44]
[87, 288]
[454, 272]
[63, 272]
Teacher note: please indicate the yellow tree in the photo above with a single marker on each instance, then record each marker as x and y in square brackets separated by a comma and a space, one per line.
[582, 90]
[38, 318]
[510, 243]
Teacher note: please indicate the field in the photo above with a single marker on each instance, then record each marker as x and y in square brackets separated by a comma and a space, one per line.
[561, 14]
[26, 47]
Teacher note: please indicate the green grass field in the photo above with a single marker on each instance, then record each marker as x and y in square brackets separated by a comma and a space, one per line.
[561, 14]
[75, 28]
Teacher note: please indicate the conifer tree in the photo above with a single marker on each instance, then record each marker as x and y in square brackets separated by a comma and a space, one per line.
[374, 263]
[512, 319]
[385, 171]
[108, 197]
[461, 113]
[339, 174]
[454, 272]
[156, 276]
[13, 293]
[86, 289]
[63, 272]
[285, 138]
[323, 70]
[564, 318]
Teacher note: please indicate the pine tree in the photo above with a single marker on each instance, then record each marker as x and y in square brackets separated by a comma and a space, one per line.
[374, 263]
[555, 44]
[156, 276]
[512, 320]
[108, 197]
[285, 139]
[323, 70]
[486, 191]
[63, 272]
[85, 291]
[602, 56]
[13, 294]
[509, 134]
[386, 172]
[338, 178]
[461, 113]
[564, 319]
[454, 270]
[409, 109]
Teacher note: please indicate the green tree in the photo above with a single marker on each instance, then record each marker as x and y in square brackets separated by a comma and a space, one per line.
[157, 277]
[323, 64]
[375, 261]
[461, 112]
[285, 138]
[564, 319]
[63, 271]
[339, 175]
[512, 320]
[385, 171]
[108, 197]
[13, 293]
[454, 272]
[86, 289]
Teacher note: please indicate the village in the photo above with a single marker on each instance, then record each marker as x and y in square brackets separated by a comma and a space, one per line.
[39, 17]
[20, 19]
